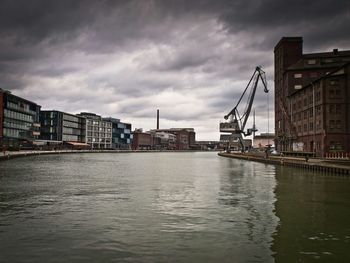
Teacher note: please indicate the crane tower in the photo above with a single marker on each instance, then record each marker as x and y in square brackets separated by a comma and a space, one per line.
[237, 121]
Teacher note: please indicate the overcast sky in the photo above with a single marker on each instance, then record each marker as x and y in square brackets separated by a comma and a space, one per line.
[126, 59]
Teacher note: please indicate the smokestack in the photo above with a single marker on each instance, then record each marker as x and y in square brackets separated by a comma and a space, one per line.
[157, 119]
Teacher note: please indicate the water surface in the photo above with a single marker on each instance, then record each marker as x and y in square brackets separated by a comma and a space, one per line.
[168, 207]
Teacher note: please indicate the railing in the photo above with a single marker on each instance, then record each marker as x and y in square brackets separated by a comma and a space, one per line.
[337, 155]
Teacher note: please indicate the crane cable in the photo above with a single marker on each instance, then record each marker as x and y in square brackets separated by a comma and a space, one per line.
[268, 118]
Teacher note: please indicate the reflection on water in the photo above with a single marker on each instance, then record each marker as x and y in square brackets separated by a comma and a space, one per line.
[314, 210]
[166, 207]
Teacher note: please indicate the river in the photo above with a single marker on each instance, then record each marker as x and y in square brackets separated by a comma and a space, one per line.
[169, 207]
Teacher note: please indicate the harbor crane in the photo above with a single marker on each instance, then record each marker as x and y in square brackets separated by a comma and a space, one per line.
[237, 122]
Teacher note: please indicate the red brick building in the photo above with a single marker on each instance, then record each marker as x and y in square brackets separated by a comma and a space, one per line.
[312, 99]
[1, 114]
[185, 137]
[141, 140]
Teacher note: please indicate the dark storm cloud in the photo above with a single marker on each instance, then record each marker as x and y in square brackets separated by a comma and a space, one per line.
[190, 58]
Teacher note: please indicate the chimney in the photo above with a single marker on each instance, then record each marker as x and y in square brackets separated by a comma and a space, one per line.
[335, 51]
[157, 119]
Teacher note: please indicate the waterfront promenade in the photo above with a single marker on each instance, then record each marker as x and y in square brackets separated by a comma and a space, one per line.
[331, 166]
[15, 154]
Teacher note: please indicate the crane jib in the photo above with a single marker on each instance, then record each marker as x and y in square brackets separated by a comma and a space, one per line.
[236, 125]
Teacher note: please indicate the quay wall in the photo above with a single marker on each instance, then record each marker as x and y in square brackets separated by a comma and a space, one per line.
[11, 155]
[336, 167]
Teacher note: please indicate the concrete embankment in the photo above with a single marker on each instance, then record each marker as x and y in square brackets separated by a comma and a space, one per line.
[15, 154]
[339, 167]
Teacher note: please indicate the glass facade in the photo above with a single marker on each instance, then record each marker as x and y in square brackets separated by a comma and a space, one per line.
[61, 126]
[19, 121]
[121, 134]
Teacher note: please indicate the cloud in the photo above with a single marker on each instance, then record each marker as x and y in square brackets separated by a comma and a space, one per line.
[125, 59]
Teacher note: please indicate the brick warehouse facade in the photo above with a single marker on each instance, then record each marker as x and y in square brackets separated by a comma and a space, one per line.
[312, 99]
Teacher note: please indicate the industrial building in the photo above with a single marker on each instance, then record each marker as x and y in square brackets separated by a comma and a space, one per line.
[312, 99]
[19, 121]
[98, 131]
[163, 140]
[264, 140]
[224, 143]
[121, 133]
[141, 140]
[185, 137]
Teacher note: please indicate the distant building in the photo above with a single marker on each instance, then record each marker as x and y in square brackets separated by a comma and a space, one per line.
[312, 99]
[185, 137]
[263, 140]
[19, 121]
[121, 133]
[208, 145]
[235, 146]
[98, 131]
[163, 140]
[141, 140]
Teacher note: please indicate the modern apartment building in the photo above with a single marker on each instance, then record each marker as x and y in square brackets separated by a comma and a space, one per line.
[98, 131]
[121, 133]
[19, 121]
[62, 126]
[312, 96]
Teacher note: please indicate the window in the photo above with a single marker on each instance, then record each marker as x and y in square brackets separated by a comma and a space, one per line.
[331, 108]
[311, 112]
[318, 96]
[335, 146]
[334, 82]
[311, 125]
[313, 75]
[298, 75]
[338, 124]
[305, 102]
[337, 93]
[318, 110]
[305, 127]
[297, 86]
[328, 60]
[338, 109]
[318, 145]
[311, 62]
[318, 125]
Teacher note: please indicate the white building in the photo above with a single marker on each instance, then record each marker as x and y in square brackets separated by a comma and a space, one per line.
[98, 131]
[263, 140]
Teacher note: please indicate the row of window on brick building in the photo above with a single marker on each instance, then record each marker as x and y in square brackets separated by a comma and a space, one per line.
[332, 109]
